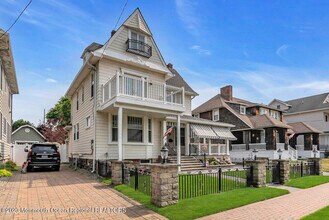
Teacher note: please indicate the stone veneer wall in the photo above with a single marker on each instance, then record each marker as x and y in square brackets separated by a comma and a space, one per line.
[164, 181]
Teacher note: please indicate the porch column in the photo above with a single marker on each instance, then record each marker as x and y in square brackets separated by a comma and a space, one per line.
[308, 140]
[164, 129]
[227, 146]
[187, 139]
[209, 146]
[178, 142]
[120, 147]
[316, 140]
[270, 138]
[247, 138]
[293, 141]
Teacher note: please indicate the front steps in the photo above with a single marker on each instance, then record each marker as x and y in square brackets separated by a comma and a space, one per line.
[188, 163]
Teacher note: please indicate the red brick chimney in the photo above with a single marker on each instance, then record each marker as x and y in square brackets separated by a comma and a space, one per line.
[227, 92]
[170, 66]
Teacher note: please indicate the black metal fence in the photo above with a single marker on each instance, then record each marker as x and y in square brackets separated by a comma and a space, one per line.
[103, 169]
[301, 169]
[201, 183]
[272, 172]
[139, 179]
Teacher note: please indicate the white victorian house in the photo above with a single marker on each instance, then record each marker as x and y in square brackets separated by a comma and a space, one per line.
[125, 97]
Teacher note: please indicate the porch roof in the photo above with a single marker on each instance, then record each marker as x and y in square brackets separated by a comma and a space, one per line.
[303, 128]
[191, 119]
[265, 121]
[203, 131]
[224, 133]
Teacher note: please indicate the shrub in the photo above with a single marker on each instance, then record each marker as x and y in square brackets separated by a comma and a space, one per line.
[5, 172]
[9, 165]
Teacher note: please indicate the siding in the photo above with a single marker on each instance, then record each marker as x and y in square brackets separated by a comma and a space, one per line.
[188, 105]
[6, 120]
[83, 145]
[21, 135]
[119, 45]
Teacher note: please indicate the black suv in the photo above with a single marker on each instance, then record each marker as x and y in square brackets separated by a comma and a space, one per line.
[43, 156]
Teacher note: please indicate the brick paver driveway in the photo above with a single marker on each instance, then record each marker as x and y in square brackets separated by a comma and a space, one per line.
[291, 206]
[58, 194]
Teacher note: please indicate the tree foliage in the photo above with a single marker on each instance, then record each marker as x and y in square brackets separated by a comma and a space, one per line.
[61, 113]
[20, 122]
[53, 133]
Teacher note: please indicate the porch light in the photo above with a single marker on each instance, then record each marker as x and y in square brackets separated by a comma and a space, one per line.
[254, 152]
[280, 153]
[164, 154]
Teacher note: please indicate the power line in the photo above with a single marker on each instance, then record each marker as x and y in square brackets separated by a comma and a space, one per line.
[115, 26]
[28, 4]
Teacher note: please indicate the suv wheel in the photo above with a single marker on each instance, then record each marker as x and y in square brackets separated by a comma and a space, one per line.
[28, 169]
[57, 168]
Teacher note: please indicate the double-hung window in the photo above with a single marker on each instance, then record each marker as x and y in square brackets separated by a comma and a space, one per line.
[74, 132]
[215, 116]
[138, 41]
[114, 128]
[242, 109]
[78, 131]
[88, 122]
[92, 86]
[77, 101]
[82, 94]
[135, 129]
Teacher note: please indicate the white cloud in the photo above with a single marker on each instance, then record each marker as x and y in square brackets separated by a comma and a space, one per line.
[50, 80]
[187, 12]
[282, 50]
[200, 50]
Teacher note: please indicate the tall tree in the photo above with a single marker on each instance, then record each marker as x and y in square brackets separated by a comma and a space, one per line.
[20, 122]
[61, 113]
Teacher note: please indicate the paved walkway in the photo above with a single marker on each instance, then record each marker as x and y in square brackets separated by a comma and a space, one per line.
[279, 186]
[58, 194]
[291, 206]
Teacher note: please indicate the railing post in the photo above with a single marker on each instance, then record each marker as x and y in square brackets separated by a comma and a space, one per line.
[164, 92]
[219, 179]
[143, 88]
[301, 169]
[118, 83]
[136, 178]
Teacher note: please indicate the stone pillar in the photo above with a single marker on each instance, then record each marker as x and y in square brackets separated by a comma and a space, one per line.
[308, 142]
[317, 165]
[116, 168]
[258, 173]
[164, 180]
[284, 170]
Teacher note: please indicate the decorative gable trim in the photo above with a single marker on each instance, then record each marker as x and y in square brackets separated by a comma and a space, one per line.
[326, 101]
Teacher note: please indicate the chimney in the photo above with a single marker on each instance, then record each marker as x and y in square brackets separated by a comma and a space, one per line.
[227, 92]
[170, 66]
[113, 32]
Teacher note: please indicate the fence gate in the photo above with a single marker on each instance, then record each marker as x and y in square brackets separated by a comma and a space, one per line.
[272, 172]
[138, 178]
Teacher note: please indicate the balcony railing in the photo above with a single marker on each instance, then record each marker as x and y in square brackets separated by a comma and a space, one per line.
[139, 47]
[140, 88]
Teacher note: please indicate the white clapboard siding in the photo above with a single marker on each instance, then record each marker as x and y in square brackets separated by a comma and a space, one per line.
[188, 105]
[83, 145]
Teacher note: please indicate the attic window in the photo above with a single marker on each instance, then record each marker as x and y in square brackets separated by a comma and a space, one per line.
[326, 100]
[243, 109]
[137, 43]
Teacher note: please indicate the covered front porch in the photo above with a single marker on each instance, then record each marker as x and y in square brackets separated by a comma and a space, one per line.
[305, 139]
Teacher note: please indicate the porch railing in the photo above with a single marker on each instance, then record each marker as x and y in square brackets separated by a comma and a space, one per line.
[258, 146]
[238, 147]
[141, 88]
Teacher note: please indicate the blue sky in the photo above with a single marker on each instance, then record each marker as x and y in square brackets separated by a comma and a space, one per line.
[265, 49]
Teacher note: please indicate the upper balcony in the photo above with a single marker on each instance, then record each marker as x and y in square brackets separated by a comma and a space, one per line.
[139, 47]
[140, 91]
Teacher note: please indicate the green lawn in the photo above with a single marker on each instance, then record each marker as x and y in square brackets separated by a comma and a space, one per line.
[242, 174]
[319, 215]
[205, 205]
[308, 181]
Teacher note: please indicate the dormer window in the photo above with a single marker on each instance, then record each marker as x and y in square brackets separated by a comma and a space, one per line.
[137, 43]
[242, 109]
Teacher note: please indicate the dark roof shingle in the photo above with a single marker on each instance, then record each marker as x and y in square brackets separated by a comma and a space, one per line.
[178, 81]
[308, 103]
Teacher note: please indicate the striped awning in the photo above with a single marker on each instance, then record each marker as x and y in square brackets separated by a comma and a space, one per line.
[203, 131]
[224, 133]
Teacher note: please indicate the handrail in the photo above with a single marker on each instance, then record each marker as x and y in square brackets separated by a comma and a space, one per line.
[139, 47]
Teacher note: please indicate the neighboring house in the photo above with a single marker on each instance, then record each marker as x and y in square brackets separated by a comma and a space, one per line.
[125, 97]
[8, 87]
[257, 126]
[23, 137]
[312, 110]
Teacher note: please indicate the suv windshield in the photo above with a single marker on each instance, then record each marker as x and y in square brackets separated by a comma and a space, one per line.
[44, 149]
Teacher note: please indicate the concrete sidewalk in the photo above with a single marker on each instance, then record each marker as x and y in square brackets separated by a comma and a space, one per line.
[291, 206]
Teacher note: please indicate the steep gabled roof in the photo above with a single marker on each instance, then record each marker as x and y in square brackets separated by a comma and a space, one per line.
[280, 101]
[28, 126]
[303, 128]
[309, 103]
[178, 81]
[91, 48]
